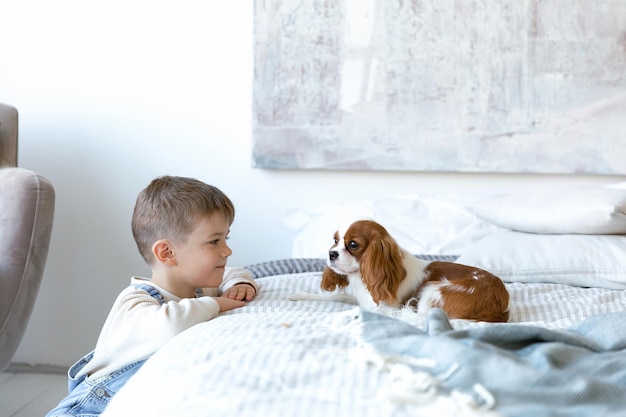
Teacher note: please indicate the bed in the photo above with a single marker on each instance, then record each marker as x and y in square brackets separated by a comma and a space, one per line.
[563, 352]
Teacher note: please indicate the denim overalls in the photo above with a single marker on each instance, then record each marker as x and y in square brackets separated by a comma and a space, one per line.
[88, 398]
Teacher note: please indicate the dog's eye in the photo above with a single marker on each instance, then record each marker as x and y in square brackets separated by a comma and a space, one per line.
[336, 240]
[353, 245]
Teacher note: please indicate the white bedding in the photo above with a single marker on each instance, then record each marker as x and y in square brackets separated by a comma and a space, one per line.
[276, 357]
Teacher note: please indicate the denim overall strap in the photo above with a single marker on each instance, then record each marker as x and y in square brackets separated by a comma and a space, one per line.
[154, 293]
[74, 369]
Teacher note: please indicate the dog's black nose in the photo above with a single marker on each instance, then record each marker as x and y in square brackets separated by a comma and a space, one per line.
[333, 254]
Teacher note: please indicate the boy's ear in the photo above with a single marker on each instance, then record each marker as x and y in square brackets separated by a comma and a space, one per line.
[162, 251]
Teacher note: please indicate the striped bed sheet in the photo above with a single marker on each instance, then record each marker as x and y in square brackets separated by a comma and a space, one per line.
[277, 357]
[298, 265]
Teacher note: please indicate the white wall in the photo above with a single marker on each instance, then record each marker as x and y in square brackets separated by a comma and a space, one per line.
[113, 93]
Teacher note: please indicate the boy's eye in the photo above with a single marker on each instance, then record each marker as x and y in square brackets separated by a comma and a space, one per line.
[216, 241]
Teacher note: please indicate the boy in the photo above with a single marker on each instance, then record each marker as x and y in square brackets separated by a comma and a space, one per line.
[180, 226]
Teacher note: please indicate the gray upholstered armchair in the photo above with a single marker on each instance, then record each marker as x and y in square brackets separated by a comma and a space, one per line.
[26, 212]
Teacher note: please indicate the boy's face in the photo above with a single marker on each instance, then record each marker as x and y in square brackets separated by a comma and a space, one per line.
[201, 260]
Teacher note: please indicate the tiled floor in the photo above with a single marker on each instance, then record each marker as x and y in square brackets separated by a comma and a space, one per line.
[30, 394]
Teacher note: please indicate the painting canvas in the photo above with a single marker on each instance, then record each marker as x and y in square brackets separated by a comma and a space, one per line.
[440, 85]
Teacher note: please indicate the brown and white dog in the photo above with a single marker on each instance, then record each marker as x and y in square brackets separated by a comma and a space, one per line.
[380, 272]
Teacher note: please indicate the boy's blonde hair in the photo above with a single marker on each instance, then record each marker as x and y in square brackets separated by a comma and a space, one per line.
[169, 207]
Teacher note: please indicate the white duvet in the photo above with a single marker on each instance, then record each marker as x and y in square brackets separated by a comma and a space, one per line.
[276, 357]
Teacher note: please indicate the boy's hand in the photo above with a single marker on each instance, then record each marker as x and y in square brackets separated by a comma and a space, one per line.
[228, 303]
[242, 292]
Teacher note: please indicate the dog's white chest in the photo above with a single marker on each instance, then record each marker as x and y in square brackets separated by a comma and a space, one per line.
[362, 295]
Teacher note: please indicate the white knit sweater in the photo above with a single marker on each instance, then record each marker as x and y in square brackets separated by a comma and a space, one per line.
[138, 324]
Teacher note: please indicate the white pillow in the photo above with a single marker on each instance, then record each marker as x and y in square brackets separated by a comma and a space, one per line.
[433, 225]
[584, 210]
[578, 260]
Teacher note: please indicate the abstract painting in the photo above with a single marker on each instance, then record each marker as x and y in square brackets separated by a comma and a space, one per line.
[440, 85]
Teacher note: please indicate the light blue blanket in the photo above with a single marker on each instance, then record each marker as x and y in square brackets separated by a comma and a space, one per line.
[531, 371]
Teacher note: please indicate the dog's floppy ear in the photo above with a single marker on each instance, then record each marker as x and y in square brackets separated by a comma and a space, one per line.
[382, 270]
[331, 280]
